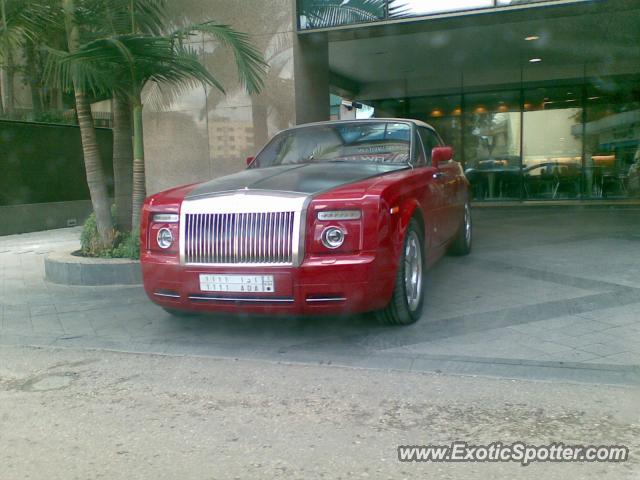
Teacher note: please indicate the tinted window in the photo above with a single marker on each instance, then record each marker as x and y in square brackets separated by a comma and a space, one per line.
[421, 157]
[429, 141]
[372, 142]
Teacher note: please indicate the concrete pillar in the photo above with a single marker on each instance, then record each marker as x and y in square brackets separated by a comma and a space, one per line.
[311, 78]
[201, 133]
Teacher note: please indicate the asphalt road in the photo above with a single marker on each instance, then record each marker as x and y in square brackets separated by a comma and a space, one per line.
[82, 414]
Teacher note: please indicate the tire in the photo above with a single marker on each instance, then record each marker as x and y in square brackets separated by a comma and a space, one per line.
[179, 313]
[464, 237]
[406, 305]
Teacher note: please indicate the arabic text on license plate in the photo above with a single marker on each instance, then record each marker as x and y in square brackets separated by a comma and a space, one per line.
[237, 283]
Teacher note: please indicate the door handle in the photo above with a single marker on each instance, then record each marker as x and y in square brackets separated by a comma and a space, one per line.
[438, 175]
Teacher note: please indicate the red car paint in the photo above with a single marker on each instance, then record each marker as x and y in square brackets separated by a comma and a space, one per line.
[361, 273]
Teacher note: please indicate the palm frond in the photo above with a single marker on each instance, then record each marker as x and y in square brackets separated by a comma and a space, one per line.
[329, 13]
[24, 20]
[162, 96]
[122, 17]
[65, 70]
[250, 64]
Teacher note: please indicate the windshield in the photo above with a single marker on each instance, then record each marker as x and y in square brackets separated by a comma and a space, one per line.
[372, 142]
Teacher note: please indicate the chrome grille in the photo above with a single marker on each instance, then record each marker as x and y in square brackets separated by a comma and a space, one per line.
[239, 238]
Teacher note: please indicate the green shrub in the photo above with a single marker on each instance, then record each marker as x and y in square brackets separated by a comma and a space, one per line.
[125, 245]
[128, 246]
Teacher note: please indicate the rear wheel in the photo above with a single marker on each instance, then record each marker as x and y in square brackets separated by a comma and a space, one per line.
[462, 243]
[407, 300]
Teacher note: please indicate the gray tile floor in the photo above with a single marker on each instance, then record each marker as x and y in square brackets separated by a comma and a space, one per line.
[553, 287]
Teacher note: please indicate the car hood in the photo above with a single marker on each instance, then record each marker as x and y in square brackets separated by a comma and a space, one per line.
[310, 178]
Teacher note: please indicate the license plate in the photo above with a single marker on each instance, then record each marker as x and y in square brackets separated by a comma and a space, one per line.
[237, 283]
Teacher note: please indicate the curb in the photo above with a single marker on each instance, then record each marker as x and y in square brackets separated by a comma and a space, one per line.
[67, 269]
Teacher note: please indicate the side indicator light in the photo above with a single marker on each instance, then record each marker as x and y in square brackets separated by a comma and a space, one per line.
[394, 210]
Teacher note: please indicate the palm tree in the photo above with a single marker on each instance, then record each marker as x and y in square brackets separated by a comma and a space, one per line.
[92, 160]
[125, 64]
[168, 62]
[120, 17]
[15, 28]
[122, 161]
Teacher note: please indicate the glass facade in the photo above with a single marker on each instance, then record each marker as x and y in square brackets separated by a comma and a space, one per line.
[552, 148]
[577, 141]
[334, 13]
[492, 134]
[612, 140]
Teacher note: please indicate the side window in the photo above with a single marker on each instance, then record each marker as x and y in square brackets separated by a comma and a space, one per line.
[429, 140]
[421, 158]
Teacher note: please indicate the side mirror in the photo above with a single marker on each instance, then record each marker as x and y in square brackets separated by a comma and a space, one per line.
[250, 160]
[440, 155]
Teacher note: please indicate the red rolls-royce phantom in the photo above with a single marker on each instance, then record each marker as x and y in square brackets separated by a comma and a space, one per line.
[331, 217]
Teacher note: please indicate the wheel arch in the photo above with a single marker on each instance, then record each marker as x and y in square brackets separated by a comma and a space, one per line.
[409, 210]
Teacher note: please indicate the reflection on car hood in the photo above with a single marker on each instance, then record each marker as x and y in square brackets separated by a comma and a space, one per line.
[310, 178]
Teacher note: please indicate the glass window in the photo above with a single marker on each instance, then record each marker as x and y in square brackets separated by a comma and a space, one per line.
[327, 13]
[612, 140]
[408, 8]
[492, 144]
[517, 2]
[429, 140]
[377, 142]
[421, 156]
[552, 143]
[441, 112]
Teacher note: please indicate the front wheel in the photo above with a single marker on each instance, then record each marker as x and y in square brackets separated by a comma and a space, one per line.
[407, 300]
[462, 242]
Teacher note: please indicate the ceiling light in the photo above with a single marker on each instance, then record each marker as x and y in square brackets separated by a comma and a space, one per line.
[531, 38]
[535, 60]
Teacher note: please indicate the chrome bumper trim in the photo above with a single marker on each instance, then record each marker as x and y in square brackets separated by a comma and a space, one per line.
[234, 299]
[329, 299]
[166, 295]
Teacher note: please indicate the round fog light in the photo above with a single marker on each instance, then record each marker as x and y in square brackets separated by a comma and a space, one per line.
[333, 237]
[165, 238]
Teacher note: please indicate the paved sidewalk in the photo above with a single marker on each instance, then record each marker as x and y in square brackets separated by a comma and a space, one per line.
[546, 292]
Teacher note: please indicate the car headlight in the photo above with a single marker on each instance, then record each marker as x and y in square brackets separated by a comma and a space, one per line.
[340, 215]
[164, 238]
[333, 237]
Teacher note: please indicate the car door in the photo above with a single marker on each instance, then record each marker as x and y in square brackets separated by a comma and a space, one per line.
[448, 175]
[432, 197]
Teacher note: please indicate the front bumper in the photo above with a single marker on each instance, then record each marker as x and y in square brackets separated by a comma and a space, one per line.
[320, 285]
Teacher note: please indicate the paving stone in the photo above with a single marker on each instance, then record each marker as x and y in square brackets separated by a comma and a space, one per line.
[603, 349]
[516, 299]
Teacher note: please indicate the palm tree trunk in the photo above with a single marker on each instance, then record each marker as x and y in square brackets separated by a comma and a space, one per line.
[93, 168]
[3, 70]
[122, 162]
[7, 84]
[34, 74]
[1, 91]
[92, 160]
[139, 180]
